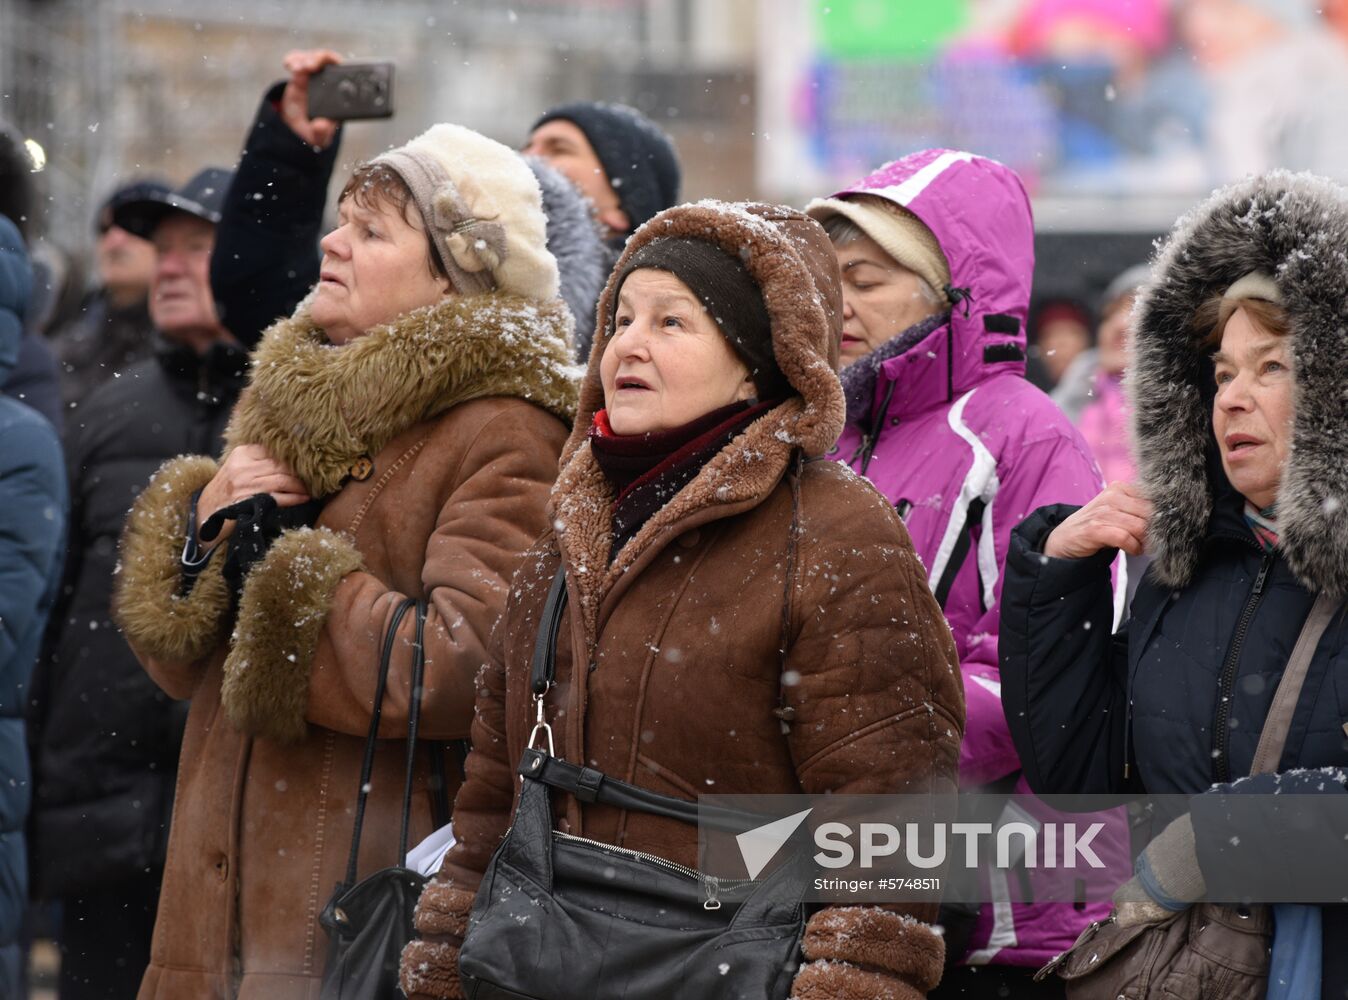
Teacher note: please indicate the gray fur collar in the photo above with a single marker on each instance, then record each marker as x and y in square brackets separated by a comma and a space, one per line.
[859, 378]
[583, 259]
[1294, 227]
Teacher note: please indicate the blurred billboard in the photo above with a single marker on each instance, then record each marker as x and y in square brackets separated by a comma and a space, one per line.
[1118, 113]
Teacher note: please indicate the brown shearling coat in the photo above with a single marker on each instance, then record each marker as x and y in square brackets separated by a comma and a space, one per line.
[460, 407]
[668, 668]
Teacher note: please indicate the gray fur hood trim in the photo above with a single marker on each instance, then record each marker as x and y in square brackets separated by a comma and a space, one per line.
[583, 259]
[1294, 227]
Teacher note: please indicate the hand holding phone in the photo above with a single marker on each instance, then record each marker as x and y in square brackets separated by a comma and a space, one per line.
[302, 65]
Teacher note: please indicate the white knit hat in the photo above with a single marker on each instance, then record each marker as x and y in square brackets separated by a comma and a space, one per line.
[483, 211]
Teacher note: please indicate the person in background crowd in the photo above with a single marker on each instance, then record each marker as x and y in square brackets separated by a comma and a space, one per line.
[937, 256]
[1275, 78]
[33, 502]
[1091, 394]
[413, 408]
[620, 159]
[273, 214]
[1059, 331]
[106, 739]
[114, 329]
[686, 492]
[1236, 388]
[32, 376]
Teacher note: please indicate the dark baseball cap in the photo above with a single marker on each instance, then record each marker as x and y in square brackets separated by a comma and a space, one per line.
[143, 189]
[203, 196]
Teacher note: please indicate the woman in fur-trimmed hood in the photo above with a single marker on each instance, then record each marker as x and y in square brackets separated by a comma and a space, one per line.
[412, 412]
[1240, 420]
[723, 579]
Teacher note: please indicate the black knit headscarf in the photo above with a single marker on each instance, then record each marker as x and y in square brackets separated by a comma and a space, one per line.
[731, 298]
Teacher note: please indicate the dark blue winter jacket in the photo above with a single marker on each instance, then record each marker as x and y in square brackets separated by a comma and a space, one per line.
[32, 527]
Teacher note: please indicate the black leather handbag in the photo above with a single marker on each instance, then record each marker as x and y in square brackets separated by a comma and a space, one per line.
[369, 921]
[559, 917]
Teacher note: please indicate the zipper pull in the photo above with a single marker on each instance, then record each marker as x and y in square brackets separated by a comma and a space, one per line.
[712, 886]
[1263, 573]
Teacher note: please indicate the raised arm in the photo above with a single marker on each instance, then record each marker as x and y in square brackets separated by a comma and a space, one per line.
[266, 245]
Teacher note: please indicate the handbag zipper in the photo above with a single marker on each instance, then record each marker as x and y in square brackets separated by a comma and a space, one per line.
[711, 885]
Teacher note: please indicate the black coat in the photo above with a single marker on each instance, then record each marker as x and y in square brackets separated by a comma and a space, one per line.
[266, 244]
[105, 737]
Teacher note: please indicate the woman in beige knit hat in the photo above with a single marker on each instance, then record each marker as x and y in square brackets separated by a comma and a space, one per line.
[398, 439]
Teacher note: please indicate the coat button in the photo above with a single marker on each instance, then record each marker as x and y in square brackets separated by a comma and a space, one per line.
[222, 868]
[563, 825]
[690, 538]
[362, 468]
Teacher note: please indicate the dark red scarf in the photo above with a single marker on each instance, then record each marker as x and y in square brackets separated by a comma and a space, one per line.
[648, 470]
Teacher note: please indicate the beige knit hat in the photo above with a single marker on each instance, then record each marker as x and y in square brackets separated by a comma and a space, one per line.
[483, 211]
[899, 232]
[1255, 285]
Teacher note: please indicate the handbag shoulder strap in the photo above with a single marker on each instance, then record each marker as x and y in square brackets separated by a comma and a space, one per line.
[1273, 737]
[372, 736]
[544, 666]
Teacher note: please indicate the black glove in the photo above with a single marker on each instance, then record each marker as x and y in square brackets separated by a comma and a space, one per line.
[258, 523]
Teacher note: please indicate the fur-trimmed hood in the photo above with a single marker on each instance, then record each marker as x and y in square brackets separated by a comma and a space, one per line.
[320, 408]
[790, 258]
[1295, 228]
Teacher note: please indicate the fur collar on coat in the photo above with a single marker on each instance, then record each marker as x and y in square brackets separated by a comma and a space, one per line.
[1295, 228]
[320, 408]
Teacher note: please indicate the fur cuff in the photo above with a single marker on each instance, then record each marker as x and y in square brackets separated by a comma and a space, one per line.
[156, 617]
[430, 969]
[443, 909]
[285, 603]
[879, 940]
[840, 981]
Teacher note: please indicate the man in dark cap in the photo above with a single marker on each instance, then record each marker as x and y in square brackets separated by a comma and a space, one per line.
[106, 738]
[113, 329]
[618, 157]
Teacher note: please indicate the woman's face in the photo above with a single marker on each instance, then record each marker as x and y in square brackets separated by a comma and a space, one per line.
[1252, 414]
[375, 268]
[881, 298]
[1112, 337]
[666, 363]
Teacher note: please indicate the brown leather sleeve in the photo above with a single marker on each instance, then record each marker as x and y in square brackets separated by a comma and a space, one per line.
[492, 511]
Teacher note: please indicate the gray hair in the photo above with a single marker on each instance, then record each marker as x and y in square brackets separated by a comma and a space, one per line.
[842, 231]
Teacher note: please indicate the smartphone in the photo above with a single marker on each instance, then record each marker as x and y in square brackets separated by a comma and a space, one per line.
[352, 90]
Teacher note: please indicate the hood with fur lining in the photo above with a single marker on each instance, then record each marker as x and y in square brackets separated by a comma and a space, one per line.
[320, 407]
[791, 259]
[1295, 228]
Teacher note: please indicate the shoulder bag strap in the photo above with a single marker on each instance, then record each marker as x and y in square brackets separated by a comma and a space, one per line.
[367, 764]
[1273, 737]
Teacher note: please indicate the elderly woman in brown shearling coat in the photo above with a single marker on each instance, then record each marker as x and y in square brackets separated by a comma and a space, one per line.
[700, 535]
[420, 393]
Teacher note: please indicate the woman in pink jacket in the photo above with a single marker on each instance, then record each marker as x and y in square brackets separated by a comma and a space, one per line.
[937, 256]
